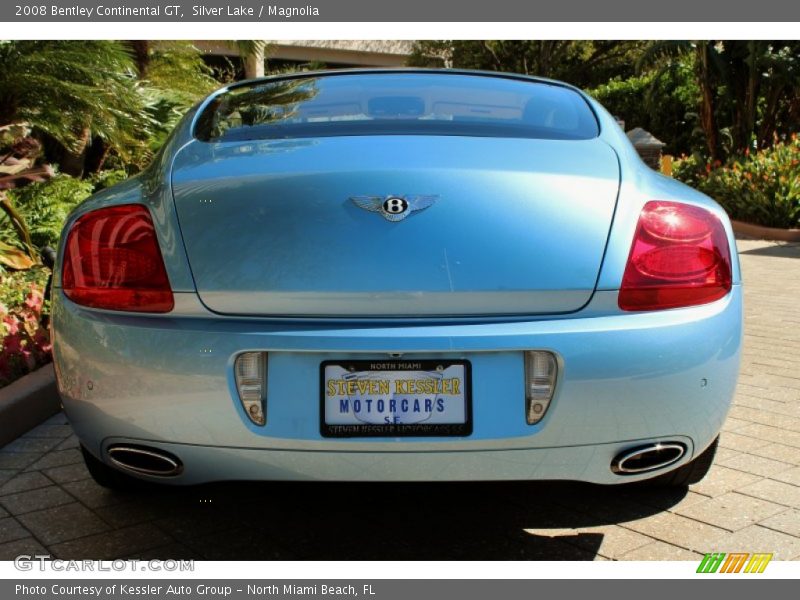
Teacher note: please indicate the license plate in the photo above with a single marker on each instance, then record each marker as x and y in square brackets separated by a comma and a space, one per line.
[376, 398]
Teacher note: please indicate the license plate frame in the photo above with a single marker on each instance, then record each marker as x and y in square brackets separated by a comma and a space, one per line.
[393, 430]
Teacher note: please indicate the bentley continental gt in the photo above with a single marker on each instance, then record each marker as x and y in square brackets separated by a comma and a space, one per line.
[408, 275]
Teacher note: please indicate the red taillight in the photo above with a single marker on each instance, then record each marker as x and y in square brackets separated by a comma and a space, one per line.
[679, 257]
[112, 261]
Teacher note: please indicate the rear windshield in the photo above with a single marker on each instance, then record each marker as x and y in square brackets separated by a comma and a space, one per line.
[397, 104]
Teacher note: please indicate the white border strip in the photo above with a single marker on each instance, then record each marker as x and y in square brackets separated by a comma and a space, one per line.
[401, 31]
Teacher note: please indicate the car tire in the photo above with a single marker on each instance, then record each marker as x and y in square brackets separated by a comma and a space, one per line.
[109, 477]
[690, 473]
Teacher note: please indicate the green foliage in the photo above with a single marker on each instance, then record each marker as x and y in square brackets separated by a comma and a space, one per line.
[173, 77]
[24, 340]
[15, 287]
[662, 101]
[718, 96]
[663, 104]
[45, 206]
[107, 178]
[748, 90]
[176, 69]
[692, 169]
[117, 101]
[582, 63]
[761, 188]
[66, 87]
[17, 250]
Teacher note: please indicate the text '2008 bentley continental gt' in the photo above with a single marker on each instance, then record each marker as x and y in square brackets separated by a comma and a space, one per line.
[401, 275]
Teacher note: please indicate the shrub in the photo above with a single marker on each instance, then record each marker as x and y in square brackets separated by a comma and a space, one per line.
[691, 170]
[45, 207]
[662, 103]
[25, 342]
[761, 188]
[107, 178]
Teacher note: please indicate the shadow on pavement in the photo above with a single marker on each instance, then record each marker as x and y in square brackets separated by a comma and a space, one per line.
[397, 521]
[778, 250]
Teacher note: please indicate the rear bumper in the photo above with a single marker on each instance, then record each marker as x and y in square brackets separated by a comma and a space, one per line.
[574, 463]
[625, 379]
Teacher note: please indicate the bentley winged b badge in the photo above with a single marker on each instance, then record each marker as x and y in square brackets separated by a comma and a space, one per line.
[393, 208]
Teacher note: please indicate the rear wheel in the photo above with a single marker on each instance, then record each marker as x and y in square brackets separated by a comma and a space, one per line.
[109, 477]
[690, 473]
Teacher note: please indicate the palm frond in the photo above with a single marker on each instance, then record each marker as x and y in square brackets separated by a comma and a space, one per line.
[659, 52]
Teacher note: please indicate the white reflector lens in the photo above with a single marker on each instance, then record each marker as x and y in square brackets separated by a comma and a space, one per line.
[250, 370]
[541, 369]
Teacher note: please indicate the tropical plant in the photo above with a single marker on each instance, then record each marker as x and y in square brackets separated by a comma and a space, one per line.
[18, 154]
[175, 68]
[582, 63]
[104, 179]
[18, 253]
[74, 92]
[24, 340]
[173, 77]
[664, 106]
[762, 187]
[749, 90]
[253, 54]
[692, 169]
[44, 207]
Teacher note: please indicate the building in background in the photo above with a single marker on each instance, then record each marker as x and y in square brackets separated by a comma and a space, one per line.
[287, 54]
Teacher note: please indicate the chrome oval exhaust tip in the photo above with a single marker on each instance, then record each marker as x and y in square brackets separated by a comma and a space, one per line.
[145, 460]
[647, 458]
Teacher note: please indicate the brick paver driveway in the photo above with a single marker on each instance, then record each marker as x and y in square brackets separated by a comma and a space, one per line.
[750, 501]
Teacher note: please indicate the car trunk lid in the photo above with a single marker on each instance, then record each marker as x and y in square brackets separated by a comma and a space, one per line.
[514, 226]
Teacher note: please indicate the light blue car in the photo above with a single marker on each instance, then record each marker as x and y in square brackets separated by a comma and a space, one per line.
[402, 275]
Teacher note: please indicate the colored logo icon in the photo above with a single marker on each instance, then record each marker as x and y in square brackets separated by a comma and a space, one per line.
[734, 562]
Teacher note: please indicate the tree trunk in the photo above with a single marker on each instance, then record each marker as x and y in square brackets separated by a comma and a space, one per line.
[96, 155]
[707, 117]
[141, 55]
[254, 64]
[767, 129]
[753, 75]
[74, 160]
